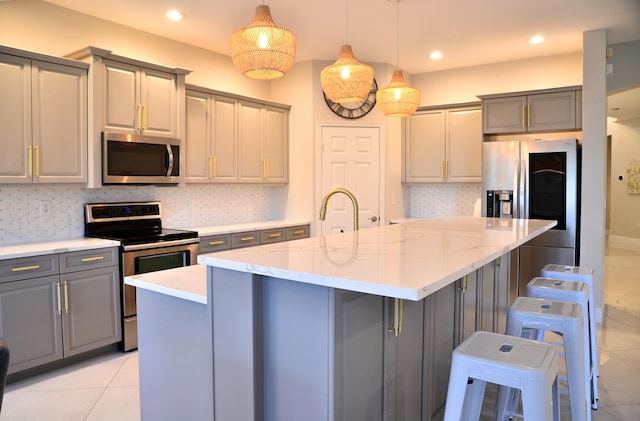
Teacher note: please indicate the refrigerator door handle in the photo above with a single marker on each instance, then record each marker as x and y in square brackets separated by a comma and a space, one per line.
[524, 199]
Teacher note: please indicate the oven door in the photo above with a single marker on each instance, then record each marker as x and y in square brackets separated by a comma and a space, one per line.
[144, 258]
[152, 257]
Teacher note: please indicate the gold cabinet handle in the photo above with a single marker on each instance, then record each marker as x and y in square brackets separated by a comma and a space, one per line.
[446, 170]
[529, 115]
[92, 259]
[66, 297]
[247, 238]
[138, 117]
[265, 169]
[36, 149]
[59, 299]
[275, 235]
[299, 232]
[396, 328]
[216, 243]
[23, 268]
[464, 285]
[210, 159]
[215, 167]
[30, 157]
[524, 121]
[144, 117]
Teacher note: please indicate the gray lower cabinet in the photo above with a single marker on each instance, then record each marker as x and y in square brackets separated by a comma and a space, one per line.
[45, 316]
[220, 242]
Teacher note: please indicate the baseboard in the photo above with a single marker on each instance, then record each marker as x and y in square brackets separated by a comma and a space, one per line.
[625, 243]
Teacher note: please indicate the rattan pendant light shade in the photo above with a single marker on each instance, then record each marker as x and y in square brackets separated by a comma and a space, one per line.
[263, 50]
[398, 99]
[346, 80]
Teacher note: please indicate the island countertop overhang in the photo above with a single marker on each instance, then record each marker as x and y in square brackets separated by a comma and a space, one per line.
[407, 261]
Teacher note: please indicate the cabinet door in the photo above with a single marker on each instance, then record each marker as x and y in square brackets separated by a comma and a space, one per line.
[404, 361]
[251, 166]
[15, 119]
[425, 147]
[439, 342]
[359, 356]
[121, 90]
[196, 145]
[504, 115]
[276, 144]
[466, 306]
[158, 98]
[30, 321]
[464, 144]
[91, 311]
[502, 292]
[553, 111]
[224, 138]
[59, 109]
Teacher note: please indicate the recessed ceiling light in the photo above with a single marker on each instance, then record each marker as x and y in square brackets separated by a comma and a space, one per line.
[538, 39]
[435, 55]
[175, 15]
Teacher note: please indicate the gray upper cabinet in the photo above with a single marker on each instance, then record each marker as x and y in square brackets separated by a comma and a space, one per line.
[443, 145]
[230, 138]
[43, 115]
[536, 111]
[130, 96]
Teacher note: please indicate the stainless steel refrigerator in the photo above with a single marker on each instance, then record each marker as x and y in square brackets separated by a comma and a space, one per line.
[535, 179]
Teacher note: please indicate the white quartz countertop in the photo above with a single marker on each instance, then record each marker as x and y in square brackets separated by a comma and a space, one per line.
[408, 261]
[62, 246]
[188, 283]
[247, 226]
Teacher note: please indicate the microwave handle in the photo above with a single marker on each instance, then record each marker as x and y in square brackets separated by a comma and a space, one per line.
[170, 161]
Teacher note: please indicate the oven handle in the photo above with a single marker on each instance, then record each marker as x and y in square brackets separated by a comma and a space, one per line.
[148, 246]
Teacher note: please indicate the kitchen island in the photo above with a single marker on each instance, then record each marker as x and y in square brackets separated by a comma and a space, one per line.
[351, 326]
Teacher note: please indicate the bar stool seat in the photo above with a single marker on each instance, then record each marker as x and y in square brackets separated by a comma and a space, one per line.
[526, 318]
[577, 292]
[528, 365]
[580, 274]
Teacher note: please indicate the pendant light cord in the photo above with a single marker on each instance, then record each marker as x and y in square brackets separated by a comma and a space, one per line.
[397, 35]
[347, 17]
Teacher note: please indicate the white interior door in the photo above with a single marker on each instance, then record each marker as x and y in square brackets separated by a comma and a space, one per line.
[350, 159]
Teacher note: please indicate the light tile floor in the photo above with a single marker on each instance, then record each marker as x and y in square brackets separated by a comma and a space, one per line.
[106, 387]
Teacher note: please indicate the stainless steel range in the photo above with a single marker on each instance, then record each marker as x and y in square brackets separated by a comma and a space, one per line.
[145, 246]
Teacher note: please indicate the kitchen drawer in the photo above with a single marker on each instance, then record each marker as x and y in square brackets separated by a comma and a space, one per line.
[213, 243]
[300, 231]
[28, 267]
[245, 239]
[88, 259]
[272, 235]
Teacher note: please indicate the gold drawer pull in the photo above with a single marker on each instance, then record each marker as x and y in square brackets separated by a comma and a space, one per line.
[21, 269]
[247, 239]
[276, 235]
[216, 243]
[92, 259]
[299, 232]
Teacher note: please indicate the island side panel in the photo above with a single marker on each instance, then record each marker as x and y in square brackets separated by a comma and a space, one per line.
[236, 313]
[298, 332]
[174, 353]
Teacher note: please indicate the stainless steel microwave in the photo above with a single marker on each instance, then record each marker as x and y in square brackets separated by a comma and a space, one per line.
[137, 159]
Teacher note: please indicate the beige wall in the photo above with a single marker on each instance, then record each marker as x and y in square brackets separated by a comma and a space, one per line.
[625, 207]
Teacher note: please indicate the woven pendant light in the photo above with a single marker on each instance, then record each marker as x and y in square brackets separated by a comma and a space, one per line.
[263, 50]
[347, 80]
[398, 99]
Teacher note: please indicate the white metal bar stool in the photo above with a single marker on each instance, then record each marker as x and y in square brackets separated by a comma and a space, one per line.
[580, 274]
[529, 316]
[528, 365]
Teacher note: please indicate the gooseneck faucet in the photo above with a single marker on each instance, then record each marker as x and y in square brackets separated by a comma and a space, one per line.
[323, 208]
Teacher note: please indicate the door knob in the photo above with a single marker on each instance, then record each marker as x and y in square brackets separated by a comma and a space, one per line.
[373, 218]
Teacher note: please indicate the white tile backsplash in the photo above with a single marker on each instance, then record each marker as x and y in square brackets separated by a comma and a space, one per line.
[22, 219]
[433, 201]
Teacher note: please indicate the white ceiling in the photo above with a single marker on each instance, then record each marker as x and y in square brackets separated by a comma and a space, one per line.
[467, 32]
